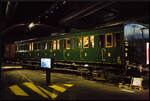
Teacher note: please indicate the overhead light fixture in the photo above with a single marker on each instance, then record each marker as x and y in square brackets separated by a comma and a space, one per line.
[64, 2]
[31, 25]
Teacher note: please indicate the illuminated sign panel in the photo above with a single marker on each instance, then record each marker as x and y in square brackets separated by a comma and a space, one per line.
[46, 63]
[137, 81]
[147, 53]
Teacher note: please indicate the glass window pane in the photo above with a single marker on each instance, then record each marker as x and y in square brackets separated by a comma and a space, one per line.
[64, 44]
[38, 46]
[54, 45]
[117, 35]
[32, 46]
[45, 45]
[101, 41]
[68, 43]
[92, 41]
[27, 46]
[86, 42]
[80, 42]
[35, 46]
[109, 41]
[50, 44]
[17, 47]
[58, 44]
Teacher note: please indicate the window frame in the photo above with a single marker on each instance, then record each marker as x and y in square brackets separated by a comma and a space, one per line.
[91, 46]
[117, 37]
[58, 44]
[114, 39]
[69, 45]
[106, 43]
[88, 41]
[45, 44]
[49, 44]
[30, 46]
[81, 46]
[53, 45]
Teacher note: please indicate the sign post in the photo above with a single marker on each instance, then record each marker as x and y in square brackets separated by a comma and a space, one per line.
[48, 76]
[46, 64]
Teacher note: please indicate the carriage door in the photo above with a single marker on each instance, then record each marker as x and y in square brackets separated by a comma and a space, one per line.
[103, 54]
[108, 47]
[101, 46]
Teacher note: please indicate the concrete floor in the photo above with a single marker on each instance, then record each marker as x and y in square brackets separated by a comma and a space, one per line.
[24, 84]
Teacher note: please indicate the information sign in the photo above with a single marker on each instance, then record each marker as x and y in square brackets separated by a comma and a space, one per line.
[46, 63]
[137, 82]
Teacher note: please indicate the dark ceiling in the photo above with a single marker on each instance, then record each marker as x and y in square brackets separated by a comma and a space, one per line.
[63, 15]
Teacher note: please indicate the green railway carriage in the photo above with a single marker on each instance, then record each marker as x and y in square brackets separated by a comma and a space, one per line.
[105, 53]
[103, 46]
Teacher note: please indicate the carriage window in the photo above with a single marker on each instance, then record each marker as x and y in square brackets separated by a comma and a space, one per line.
[27, 47]
[35, 46]
[22, 47]
[38, 46]
[58, 44]
[68, 43]
[48, 44]
[116, 39]
[109, 40]
[80, 42]
[86, 42]
[92, 41]
[64, 44]
[54, 45]
[17, 47]
[32, 45]
[101, 41]
[45, 45]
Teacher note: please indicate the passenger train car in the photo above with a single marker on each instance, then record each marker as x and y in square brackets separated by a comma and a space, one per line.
[101, 53]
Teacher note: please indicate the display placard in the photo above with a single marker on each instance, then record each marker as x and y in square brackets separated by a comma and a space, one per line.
[46, 63]
[137, 82]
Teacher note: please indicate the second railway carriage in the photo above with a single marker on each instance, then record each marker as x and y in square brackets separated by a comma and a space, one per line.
[103, 46]
[92, 52]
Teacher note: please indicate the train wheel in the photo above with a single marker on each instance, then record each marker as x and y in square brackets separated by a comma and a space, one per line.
[79, 70]
[86, 73]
